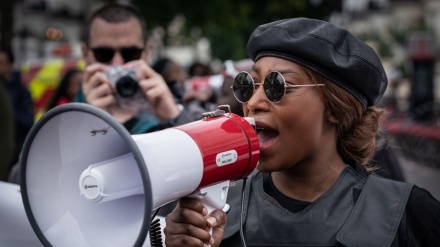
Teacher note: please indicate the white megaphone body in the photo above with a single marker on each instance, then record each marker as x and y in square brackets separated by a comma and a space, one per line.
[86, 181]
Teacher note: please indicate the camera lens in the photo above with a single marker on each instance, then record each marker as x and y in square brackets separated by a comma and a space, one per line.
[126, 86]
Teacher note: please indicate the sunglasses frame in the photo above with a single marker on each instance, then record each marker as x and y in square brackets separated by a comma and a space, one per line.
[121, 50]
[286, 86]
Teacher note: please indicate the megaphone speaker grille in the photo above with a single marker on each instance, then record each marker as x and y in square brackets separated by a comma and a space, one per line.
[60, 146]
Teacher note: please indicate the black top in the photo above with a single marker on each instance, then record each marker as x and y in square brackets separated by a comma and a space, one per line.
[421, 226]
[291, 204]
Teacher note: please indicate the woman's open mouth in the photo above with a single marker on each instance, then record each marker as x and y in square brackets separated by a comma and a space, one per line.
[266, 137]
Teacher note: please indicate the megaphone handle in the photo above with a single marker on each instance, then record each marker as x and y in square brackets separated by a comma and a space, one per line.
[214, 197]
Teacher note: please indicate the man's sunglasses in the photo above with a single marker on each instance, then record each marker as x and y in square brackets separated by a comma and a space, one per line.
[274, 86]
[106, 54]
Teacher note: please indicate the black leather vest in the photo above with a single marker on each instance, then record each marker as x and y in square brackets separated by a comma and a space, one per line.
[335, 219]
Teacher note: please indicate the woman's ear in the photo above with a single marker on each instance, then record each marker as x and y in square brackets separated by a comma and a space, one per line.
[331, 117]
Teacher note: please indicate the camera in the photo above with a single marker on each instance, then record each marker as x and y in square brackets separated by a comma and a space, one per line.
[128, 94]
[123, 80]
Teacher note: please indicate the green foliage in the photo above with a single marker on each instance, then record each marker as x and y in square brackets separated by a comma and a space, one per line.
[229, 23]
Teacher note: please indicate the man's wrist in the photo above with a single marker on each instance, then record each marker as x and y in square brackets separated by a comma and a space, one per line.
[175, 120]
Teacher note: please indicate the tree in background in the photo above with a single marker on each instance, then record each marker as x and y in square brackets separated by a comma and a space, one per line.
[228, 23]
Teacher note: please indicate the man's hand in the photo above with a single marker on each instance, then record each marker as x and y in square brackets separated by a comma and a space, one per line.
[96, 87]
[155, 90]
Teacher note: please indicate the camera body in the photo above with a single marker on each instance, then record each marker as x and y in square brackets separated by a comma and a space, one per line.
[126, 89]
[123, 80]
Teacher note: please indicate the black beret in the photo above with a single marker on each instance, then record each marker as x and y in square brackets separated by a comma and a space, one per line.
[326, 49]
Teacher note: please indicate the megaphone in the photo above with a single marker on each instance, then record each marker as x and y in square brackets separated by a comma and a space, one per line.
[86, 181]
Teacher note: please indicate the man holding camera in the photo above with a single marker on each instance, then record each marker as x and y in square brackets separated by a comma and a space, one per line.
[118, 79]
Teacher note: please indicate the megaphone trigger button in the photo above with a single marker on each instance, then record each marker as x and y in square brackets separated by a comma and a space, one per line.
[226, 208]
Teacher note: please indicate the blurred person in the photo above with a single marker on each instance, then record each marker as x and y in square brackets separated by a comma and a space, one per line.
[200, 98]
[116, 35]
[199, 69]
[20, 99]
[312, 92]
[175, 76]
[202, 94]
[67, 89]
[200, 90]
[226, 96]
[390, 99]
[6, 133]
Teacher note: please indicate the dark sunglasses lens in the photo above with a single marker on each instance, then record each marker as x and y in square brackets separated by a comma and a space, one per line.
[103, 55]
[243, 87]
[131, 54]
[274, 86]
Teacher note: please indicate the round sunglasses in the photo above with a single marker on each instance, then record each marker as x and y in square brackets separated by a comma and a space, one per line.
[274, 86]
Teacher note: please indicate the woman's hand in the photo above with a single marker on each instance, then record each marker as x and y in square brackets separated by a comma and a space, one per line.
[189, 225]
